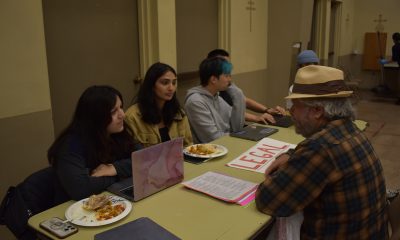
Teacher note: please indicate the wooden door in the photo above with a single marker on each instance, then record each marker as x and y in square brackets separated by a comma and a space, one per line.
[89, 42]
[374, 49]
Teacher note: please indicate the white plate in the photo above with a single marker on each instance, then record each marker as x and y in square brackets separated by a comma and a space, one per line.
[221, 150]
[79, 216]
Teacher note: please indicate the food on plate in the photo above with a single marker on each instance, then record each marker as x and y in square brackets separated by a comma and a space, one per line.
[103, 207]
[109, 211]
[202, 149]
[96, 201]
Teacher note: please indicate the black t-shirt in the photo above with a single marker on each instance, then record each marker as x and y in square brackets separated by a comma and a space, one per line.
[164, 134]
[226, 97]
[396, 53]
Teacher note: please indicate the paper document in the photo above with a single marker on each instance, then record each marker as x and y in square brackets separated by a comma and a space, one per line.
[259, 157]
[221, 186]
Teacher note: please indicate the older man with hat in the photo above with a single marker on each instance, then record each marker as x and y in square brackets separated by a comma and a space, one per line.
[334, 176]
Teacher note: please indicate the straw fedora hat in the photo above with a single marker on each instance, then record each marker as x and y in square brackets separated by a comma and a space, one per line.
[316, 81]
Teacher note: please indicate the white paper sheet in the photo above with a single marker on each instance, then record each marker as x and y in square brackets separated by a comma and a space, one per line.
[259, 157]
[221, 186]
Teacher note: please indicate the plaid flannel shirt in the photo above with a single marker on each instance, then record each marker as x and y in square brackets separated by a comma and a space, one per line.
[336, 178]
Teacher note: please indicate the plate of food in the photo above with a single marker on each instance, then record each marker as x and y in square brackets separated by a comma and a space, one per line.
[98, 210]
[207, 150]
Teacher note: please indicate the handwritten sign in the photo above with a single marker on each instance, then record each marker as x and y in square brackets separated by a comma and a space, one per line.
[259, 157]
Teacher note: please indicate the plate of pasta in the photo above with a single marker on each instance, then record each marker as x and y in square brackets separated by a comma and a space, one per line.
[98, 210]
[207, 150]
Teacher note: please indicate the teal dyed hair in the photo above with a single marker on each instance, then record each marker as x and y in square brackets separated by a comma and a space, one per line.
[226, 67]
[215, 66]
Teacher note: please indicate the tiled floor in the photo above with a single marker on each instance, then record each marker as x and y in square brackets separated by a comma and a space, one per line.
[383, 116]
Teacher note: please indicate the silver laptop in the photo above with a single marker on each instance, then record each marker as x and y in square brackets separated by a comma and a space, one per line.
[153, 169]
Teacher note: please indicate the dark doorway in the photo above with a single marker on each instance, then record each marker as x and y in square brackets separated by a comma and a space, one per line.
[89, 42]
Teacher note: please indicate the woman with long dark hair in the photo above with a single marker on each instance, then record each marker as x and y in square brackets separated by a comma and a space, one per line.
[94, 150]
[157, 116]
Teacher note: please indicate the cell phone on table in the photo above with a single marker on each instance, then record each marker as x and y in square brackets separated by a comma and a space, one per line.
[58, 227]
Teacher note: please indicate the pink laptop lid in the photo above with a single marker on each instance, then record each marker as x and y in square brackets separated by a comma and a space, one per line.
[157, 167]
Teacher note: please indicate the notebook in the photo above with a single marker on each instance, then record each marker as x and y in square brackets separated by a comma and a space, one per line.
[254, 132]
[141, 228]
[153, 169]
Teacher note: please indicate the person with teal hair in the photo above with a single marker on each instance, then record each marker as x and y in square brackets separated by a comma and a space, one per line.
[210, 117]
[266, 114]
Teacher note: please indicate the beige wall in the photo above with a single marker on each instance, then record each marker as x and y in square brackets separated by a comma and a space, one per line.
[347, 44]
[284, 29]
[268, 85]
[196, 32]
[103, 50]
[25, 92]
[248, 35]
[25, 140]
[167, 31]
[366, 11]
[306, 21]
[157, 32]
[23, 59]
[26, 127]
[358, 18]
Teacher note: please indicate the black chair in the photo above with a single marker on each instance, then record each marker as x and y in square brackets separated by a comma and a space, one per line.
[34, 195]
[394, 219]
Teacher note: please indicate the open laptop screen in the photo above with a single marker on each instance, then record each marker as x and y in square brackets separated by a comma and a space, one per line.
[153, 169]
[157, 167]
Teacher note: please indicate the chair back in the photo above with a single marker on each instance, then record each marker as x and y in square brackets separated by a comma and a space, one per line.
[394, 218]
[38, 190]
[33, 195]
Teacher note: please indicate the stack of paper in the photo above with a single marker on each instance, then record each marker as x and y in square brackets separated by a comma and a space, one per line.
[259, 157]
[223, 187]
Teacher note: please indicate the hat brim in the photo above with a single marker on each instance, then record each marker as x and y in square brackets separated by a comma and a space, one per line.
[331, 95]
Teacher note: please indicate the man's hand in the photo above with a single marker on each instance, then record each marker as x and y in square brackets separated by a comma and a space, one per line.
[279, 161]
[265, 118]
[281, 110]
[104, 170]
[276, 110]
[383, 61]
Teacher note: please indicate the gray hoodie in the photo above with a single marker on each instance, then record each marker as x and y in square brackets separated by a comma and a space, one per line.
[210, 117]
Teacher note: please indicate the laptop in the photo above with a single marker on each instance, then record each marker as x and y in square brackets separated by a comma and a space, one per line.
[282, 120]
[153, 169]
[141, 228]
[254, 132]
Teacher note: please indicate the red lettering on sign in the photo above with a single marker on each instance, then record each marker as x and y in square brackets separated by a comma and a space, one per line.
[266, 155]
[243, 158]
[257, 166]
[271, 149]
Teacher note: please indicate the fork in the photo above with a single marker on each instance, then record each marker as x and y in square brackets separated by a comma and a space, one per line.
[78, 219]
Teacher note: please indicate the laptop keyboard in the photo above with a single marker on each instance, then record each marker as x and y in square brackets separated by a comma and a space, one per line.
[127, 191]
[282, 121]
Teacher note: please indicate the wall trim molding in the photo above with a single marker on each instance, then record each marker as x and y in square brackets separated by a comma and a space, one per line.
[157, 31]
[148, 34]
[224, 24]
[322, 28]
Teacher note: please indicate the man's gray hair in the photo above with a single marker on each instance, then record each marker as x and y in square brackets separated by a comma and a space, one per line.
[334, 108]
